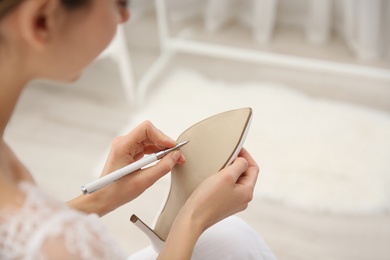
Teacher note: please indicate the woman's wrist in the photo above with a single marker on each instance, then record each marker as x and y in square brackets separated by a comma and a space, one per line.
[89, 204]
[182, 237]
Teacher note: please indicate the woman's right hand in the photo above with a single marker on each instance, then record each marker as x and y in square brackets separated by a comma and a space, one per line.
[219, 196]
[224, 193]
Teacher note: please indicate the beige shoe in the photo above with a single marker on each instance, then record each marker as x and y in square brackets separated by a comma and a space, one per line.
[214, 143]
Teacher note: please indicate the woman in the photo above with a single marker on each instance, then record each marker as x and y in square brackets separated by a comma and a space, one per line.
[56, 40]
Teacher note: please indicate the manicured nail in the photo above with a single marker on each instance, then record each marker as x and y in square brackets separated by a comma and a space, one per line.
[176, 155]
[170, 140]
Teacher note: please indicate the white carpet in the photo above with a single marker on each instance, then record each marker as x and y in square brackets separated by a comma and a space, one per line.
[314, 153]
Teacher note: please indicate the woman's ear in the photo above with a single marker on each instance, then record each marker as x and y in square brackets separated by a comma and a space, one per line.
[35, 21]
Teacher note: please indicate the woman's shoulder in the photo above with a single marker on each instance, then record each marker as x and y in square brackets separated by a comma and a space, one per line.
[13, 175]
[44, 226]
[10, 196]
[26, 208]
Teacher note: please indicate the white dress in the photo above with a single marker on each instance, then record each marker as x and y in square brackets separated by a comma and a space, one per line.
[43, 228]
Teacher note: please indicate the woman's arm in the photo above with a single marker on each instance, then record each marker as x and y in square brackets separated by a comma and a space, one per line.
[219, 196]
[144, 139]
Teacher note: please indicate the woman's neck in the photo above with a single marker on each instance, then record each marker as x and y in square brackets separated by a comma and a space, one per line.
[12, 172]
[12, 82]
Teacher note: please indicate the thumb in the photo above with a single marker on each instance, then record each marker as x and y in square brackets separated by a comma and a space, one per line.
[238, 167]
[164, 166]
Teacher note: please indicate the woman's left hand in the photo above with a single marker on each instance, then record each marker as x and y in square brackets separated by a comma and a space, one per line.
[144, 139]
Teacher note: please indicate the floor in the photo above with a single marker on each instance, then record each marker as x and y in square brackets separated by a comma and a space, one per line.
[62, 133]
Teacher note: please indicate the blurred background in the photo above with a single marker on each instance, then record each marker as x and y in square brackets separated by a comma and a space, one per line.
[316, 74]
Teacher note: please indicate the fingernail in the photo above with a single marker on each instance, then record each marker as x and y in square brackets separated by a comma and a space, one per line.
[176, 155]
[170, 139]
[171, 142]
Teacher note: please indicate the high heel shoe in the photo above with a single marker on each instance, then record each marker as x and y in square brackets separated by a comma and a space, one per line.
[214, 143]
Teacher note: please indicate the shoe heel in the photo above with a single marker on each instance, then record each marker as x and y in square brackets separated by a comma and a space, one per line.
[157, 242]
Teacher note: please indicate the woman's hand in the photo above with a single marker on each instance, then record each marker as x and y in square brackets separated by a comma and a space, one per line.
[224, 193]
[144, 139]
[219, 196]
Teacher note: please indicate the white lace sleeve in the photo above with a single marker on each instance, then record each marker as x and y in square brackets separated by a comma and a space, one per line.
[43, 228]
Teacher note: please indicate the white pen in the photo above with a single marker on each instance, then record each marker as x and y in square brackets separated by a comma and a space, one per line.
[112, 177]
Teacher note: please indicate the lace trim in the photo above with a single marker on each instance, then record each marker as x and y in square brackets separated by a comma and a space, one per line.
[43, 228]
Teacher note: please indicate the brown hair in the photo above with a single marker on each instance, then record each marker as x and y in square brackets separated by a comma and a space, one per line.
[7, 6]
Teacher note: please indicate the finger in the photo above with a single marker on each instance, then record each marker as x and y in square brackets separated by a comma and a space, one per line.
[251, 162]
[249, 178]
[146, 149]
[147, 134]
[245, 154]
[237, 168]
[251, 174]
[152, 148]
[165, 165]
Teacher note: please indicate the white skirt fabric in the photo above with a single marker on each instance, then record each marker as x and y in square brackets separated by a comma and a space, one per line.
[231, 238]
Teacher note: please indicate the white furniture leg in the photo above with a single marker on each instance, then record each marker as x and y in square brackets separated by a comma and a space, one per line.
[368, 28]
[117, 51]
[318, 26]
[263, 21]
[349, 17]
[385, 30]
[217, 13]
